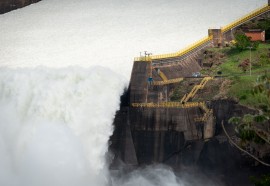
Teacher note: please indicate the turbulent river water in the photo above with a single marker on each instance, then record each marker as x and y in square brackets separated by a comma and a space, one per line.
[63, 67]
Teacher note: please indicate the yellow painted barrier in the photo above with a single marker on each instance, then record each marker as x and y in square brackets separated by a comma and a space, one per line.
[166, 82]
[245, 18]
[202, 105]
[186, 50]
[195, 89]
[167, 105]
[143, 59]
[179, 53]
[162, 75]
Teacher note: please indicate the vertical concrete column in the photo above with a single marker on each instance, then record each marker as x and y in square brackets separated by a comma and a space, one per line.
[217, 36]
[268, 2]
[139, 82]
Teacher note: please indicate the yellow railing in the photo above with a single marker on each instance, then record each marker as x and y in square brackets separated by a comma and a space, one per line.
[207, 113]
[204, 118]
[166, 82]
[168, 105]
[162, 75]
[195, 89]
[186, 50]
[245, 18]
[143, 59]
[179, 53]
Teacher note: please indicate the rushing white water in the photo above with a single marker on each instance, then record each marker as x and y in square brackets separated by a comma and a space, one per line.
[52, 130]
[56, 119]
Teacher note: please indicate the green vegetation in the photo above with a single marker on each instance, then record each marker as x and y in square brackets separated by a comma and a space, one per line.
[265, 25]
[259, 60]
[263, 181]
[248, 89]
[245, 127]
[242, 42]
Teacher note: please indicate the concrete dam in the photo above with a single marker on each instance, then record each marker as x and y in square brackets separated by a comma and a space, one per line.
[151, 128]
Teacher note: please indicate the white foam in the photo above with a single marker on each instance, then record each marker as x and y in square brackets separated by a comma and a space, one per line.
[55, 120]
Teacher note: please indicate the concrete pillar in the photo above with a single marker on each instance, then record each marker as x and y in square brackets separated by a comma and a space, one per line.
[139, 82]
[217, 36]
[268, 2]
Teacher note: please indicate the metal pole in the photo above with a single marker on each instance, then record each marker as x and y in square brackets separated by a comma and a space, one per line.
[250, 47]
[250, 61]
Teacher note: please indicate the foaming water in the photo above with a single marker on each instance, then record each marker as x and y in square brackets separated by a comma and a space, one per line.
[55, 121]
[55, 125]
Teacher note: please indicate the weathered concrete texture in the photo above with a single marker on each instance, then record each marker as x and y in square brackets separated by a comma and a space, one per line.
[167, 119]
[179, 59]
[138, 82]
[147, 136]
[217, 38]
[157, 134]
[182, 69]
[8, 5]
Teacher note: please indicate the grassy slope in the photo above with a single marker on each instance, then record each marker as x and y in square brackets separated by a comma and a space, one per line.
[242, 82]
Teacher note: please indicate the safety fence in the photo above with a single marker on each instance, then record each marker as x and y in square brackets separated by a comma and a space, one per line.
[166, 82]
[195, 89]
[245, 18]
[167, 105]
[162, 75]
[207, 112]
[206, 115]
[176, 54]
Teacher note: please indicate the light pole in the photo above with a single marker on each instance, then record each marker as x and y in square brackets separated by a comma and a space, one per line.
[250, 47]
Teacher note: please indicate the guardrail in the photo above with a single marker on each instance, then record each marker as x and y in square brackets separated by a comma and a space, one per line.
[162, 75]
[204, 118]
[195, 89]
[143, 59]
[179, 53]
[168, 105]
[170, 81]
[245, 18]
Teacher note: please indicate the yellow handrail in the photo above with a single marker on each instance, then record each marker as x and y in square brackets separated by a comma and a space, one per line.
[245, 18]
[166, 82]
[143, 59]
[207, 111]
[162, 75]
[186, 50]
[195, 89]
[168, 105]
[179, 53]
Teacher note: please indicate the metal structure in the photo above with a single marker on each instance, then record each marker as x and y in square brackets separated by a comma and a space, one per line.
[166, 82]
[162, 75]
[195, 89]
[167, 105]
[208, 39]
[246, 18]
[179, 53]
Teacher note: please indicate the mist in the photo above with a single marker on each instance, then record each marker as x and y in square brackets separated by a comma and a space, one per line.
[63, 67]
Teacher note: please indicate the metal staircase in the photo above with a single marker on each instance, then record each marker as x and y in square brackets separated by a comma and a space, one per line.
[195, 89]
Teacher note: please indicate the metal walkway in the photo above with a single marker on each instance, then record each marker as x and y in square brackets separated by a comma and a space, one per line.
[195, 89]
[166, 82]
[184, 53]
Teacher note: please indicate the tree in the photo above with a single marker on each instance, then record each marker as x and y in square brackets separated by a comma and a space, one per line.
[265, 25]
[263, 181]
[242, 41]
